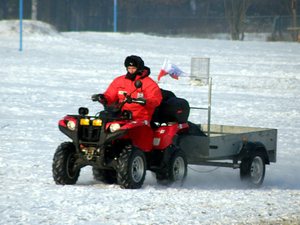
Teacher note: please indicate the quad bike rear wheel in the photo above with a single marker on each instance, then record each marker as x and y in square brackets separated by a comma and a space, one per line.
[63, 166]
[175, 171]
[131, 168]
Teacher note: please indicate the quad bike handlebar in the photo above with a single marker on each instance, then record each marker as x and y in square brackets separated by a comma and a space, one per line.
[128, 99]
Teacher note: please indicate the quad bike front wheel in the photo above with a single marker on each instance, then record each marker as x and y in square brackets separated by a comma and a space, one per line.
[131, 168]
[63, 166]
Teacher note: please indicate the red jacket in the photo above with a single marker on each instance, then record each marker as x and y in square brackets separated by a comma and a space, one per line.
[150, 91]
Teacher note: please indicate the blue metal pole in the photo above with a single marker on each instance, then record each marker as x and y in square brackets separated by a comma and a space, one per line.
[115, 15]
[21, 24]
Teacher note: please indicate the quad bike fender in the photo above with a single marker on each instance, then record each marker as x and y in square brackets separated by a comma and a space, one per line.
[65, 128]
[141, 137]
[164, 136]
[126, 125]
[139, 132]
[115, 135]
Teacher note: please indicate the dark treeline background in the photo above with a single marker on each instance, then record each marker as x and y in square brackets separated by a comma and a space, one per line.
[158, 16]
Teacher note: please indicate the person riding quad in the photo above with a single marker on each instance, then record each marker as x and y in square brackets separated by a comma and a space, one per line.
[123, 86]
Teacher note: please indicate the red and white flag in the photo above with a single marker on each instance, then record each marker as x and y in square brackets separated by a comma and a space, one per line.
[171, 69]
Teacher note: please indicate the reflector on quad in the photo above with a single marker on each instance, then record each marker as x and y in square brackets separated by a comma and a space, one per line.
[97, 122]
[84, 122]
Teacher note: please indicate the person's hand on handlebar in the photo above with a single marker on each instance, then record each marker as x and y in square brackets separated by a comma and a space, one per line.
[99, 97]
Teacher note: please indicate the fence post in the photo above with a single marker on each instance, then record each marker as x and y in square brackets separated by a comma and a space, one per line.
[21, 24]
[115, 15]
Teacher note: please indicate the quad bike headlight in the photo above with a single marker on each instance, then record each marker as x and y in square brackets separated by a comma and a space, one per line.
[114, 127]
[71, 125]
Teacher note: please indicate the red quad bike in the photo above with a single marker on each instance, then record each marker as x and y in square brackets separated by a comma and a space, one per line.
[121, 149]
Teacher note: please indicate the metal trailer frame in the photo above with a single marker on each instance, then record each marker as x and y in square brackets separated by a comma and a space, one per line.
[224, 142]
[227, 143]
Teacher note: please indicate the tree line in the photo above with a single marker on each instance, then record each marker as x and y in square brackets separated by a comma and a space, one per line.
[150, 16]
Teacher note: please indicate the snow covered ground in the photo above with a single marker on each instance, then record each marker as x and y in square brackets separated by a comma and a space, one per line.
[254, 84]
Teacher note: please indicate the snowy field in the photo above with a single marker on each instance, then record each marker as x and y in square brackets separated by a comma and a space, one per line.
[254, 84]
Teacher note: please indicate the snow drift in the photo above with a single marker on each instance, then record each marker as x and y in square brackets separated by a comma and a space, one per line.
[30, 27]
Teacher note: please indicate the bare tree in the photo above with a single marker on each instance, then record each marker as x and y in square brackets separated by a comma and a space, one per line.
[235, 11]
[3, 9]
[294, 12]
[34, 9]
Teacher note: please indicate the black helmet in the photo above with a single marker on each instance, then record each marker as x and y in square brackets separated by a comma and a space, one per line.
[135, 61]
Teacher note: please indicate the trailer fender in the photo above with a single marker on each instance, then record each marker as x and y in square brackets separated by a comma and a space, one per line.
[250, 149]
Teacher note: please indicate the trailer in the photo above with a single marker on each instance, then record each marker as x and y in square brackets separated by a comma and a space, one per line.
[246, 148]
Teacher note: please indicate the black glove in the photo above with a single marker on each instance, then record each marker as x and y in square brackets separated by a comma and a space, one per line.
[95, 97]
[99, 97]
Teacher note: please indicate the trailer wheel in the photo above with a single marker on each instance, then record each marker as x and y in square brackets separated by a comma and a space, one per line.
[105, 176]
[252, 170]
[63, 166]
[175, 171]
[131, 168]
